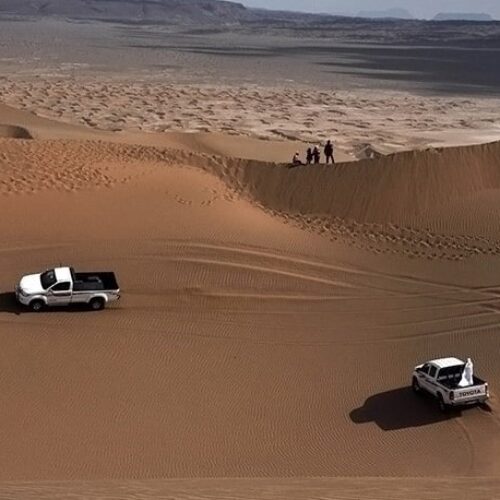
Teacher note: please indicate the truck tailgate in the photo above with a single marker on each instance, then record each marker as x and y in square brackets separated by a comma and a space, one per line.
[470, 394]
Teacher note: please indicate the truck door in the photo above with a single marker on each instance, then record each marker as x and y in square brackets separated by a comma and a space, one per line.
[423, 378]
[431, 379]
[60, 294]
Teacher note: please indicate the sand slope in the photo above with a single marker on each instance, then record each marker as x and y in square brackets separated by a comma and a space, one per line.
[249, 489]
[270, 318]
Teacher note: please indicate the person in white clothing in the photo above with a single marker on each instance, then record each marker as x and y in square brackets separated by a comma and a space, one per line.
[468, 374]
[296, 160]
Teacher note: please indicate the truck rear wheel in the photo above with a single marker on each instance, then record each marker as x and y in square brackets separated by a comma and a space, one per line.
[415, 386]
[442, 405]
[37, 305]
[97, 304]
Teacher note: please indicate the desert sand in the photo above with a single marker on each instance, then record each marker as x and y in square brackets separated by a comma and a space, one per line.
[267, 489]
[271, 316]
[269, 323]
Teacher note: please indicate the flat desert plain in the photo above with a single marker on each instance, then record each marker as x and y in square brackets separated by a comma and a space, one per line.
[270, 321]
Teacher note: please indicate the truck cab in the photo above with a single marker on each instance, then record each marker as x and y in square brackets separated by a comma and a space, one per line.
[59, 286]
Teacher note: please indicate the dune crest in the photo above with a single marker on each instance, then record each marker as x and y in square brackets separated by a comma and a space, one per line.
[394, 204]
[397, 204]
[386, 189]
[390, 189]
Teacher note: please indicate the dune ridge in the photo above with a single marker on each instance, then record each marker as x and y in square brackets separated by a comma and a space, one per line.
[380, 205]
[375, 204]
[378, 190]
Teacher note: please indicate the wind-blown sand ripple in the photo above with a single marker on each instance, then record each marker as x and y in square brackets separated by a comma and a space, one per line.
[266, 489]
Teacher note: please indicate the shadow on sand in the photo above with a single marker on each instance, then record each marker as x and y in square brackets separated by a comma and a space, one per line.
[9, 304]
[400, 409]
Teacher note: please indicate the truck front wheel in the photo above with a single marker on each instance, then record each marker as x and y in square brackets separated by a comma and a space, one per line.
[36, 305]
[96, 304]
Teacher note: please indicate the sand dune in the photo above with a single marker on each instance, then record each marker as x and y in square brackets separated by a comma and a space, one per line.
[402, 186]
[395, 188]
[396, 214]
[270, 320]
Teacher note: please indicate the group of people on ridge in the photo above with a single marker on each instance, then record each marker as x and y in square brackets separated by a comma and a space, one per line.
[313, 155]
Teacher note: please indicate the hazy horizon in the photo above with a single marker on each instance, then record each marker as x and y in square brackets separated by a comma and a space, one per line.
[422, 9]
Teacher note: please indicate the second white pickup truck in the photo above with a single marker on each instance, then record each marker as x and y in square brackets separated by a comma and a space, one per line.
[442, 379]
[62, 287]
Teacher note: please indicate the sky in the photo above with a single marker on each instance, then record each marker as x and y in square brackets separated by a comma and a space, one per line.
[419, 8]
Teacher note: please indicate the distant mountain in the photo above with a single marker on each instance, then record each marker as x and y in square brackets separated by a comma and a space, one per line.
[457, 16]
[170, 11]
[386, 14]
[198, 12]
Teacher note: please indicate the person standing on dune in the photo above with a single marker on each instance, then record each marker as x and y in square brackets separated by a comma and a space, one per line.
[329, 152]
[309, 156]
[316, 155]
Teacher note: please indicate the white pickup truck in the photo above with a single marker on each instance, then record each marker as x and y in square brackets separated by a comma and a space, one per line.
[62, 287]
[442, 378]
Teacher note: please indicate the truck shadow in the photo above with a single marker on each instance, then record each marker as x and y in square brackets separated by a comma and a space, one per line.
[400, 409]
[9, 304]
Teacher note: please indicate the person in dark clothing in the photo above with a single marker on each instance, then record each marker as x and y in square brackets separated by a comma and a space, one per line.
[309, 156]
[316, 154]
[329, 152]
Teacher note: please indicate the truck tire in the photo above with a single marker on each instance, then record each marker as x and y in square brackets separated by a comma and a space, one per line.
[97, 304]
[416, 386]
[443, 408]
[37, 305]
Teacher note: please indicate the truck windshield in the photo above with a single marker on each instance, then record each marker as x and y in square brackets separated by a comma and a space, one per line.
[48, 278]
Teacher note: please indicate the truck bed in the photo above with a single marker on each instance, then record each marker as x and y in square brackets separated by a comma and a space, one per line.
[453, 383]
[94, 281]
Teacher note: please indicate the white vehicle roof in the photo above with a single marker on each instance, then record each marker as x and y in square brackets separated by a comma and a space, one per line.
[63, 274]
[446, 362]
